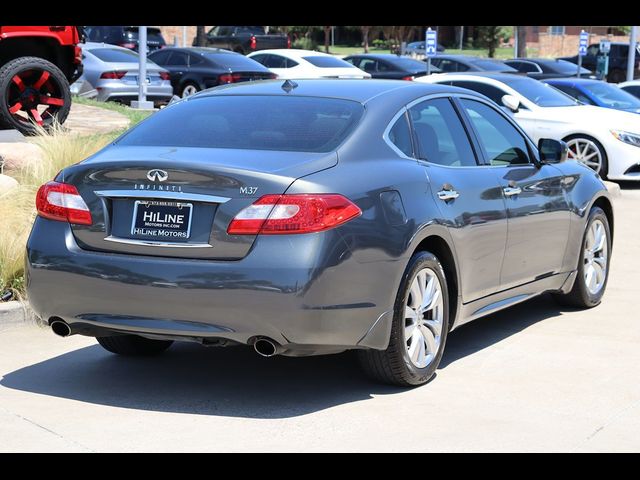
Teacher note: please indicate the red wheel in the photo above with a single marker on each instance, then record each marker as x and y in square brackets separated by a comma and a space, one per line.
[35, 93]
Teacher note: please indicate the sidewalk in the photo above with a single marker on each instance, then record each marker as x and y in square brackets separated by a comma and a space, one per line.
[88, 120]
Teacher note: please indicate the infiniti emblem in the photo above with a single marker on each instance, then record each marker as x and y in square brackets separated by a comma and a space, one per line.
[157, 175]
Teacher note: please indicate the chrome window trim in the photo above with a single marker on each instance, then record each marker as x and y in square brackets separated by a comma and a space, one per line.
[387, 140]
[150, 243]
[532, 63]
[155, 194]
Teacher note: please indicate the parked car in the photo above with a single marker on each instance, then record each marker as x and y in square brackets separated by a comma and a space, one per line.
[418, 49]
[618, 57]
[632, 87]
[126, 37]
[606, 140]
[37, 63]
[293, 63]
[227, 219]
[468, 63]
[245, 39]
[197, 68]
[386, 65]
[113, 72]
[542, 68]
[597, 92]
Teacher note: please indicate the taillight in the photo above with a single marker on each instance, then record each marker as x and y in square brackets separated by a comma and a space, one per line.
[117, 75]
[253, 43]
[77, 54]
[229, 77]
[299, 213]
[62, 202]
[288, 41]
[164, 75]
[129, 45]
[408, 78]
[272, 75]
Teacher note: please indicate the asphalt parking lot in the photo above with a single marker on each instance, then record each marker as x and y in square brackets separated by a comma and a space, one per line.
[536, 377]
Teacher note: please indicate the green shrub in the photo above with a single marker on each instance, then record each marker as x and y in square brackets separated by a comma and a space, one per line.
[304, 44]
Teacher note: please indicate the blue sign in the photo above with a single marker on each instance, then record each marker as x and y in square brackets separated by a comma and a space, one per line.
[431, 43]
[582, 46]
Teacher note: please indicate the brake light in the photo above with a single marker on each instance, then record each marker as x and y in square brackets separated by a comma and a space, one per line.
[62, 202]
[272, 75]
[253, 43]
[408, 78]
[288, 41]
[229, 77]
[117, 75]
[77, 54]
[128, 45]
[288, 214]
[164, 75]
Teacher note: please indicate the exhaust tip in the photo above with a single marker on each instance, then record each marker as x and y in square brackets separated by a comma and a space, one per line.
[61, 328]
[265, 347]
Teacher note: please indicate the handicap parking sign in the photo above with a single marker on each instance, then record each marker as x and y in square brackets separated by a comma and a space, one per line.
[582, 46]
[431, 43]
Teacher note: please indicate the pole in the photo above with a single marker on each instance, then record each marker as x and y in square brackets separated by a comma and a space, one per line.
[515, 42]
[631, 60]
[461, 37]
[142, 71]
[579, 65]
[333, 29]
[184, 36]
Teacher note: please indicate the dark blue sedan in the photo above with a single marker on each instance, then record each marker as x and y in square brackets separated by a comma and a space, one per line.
[597, 92]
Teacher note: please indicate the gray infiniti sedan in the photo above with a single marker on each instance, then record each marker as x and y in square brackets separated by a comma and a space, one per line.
[112, 73]
[315, 217]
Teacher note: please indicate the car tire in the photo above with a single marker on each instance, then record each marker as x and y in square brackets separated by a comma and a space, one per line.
[39, 96]
[395, 365]
[133, 345]
[581, 295]
[603, 170]
[189, 89]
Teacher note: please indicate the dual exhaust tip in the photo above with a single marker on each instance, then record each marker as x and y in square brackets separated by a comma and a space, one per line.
[264, 347]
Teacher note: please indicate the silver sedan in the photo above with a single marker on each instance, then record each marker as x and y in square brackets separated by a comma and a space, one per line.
[112, 73]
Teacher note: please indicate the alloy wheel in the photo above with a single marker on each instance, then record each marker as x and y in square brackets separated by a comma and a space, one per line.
[595, 257]
[585, 151]
[424, 318]
[189, 90]
[34, 95]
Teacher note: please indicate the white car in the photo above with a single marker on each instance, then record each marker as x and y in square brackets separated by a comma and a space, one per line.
[632, 87]
[606, 140]
[296, 64]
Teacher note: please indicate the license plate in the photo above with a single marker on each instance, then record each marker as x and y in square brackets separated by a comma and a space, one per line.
[161, 220]
[138, 80]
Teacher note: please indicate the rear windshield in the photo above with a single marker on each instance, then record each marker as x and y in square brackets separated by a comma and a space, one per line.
[235, 61]
[251, 122]
[542, 94]
[327, 62]
[153, 34]
[564, 67]
[250, 30]
[115, 55]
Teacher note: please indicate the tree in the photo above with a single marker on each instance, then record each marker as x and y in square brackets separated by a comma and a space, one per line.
[200, 37]
[521, 34]
[327, 37]
[490, 37]
[365, 38]
[398, 34]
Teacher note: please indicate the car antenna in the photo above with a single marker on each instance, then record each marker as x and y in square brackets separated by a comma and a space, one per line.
[288, 85]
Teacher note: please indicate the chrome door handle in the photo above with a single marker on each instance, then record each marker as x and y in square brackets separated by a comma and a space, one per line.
[448, 195]
[511, 191]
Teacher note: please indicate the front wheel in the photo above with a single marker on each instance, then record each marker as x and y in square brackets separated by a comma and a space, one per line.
[419, 329]
[189, 89]
[588, 150]
[35, 93]
[133, 345]
[593, 266]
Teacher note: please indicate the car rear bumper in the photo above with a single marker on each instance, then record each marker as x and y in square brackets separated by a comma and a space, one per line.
[305, 292]
[117, 91]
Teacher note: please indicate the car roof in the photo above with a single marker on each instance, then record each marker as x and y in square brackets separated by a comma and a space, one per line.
[198, 50]
[359, 90]
[380, 56]
[538, 60]
[469, 58]
[294, 52]
[630, 83]
[574, 81]
[93, 45]
[499, 76]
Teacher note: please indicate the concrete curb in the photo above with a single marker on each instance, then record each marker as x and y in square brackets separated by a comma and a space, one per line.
[15, 314]
[613, 188]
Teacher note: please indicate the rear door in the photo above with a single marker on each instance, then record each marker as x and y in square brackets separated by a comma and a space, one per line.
[468, 194]
[536, 203]
[177, 64]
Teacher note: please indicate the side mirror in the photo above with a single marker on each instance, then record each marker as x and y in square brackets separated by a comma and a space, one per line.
[552, 151]
[511, 102]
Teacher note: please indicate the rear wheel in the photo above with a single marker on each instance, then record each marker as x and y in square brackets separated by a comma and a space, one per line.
[189, 89]
[593, 266]
[34, 93]
[419, 329]
[133, 345]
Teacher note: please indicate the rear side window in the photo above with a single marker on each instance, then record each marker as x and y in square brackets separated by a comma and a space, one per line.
[251, 122]
[115, 55]
[235, 61]
[400, 136]
[440, 135]
[494, 93]
[633, 90]
[327, 62]
[503, 145]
